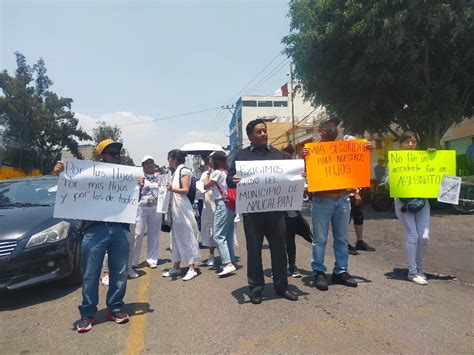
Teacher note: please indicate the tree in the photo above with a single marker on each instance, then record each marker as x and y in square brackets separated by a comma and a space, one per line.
[383, 65]
[38, 123]
[104, 131]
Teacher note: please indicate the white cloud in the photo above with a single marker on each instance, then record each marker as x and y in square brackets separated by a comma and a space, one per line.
[142, 136]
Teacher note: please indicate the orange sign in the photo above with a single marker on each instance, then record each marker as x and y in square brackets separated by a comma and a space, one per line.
[337, 165]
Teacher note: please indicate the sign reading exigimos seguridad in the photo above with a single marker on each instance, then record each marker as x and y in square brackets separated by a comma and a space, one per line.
[418, 173]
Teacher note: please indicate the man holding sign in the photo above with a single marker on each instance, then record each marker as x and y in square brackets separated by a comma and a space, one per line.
[99, 238]
[262, 224]
[334, 182]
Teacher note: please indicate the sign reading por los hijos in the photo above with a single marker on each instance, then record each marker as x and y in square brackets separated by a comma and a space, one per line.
[269, 185]
[418, 173]
[337, 165]
[97, 191]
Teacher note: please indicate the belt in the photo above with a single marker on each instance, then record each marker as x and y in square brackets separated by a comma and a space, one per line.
[329, 194]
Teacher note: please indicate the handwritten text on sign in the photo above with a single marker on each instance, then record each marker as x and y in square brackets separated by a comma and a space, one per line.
[418, 173]
[95, 191]
[163, 193]
[269, 185]
[337, 165]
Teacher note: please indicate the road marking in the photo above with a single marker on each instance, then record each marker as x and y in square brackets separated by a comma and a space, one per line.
[137, 332]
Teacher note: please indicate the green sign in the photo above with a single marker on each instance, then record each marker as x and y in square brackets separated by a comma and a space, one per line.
[418, 173]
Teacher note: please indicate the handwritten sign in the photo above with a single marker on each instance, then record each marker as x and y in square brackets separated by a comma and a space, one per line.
[269, 185]
[163, 193]
[418, 173]
[449, 189]
[337, 165]
[95, 191]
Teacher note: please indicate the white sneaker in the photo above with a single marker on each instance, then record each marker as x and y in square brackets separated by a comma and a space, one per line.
[132, 274]
[418, 279]
[210, 261]
[105, 280]
[171, 272]
[191, 274]
[227, 270]
[152, 265]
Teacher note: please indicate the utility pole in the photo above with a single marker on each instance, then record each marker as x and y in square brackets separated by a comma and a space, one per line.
[292, 108]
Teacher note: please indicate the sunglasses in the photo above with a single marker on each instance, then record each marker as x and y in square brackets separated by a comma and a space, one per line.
[113, 154]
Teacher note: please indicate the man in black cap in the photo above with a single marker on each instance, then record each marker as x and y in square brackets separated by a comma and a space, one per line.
[258, 225]
[331, 207]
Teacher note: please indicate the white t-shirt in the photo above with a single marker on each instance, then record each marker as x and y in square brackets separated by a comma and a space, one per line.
[219, 178]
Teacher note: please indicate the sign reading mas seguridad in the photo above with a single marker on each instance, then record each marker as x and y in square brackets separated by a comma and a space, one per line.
[269, 185]
[95, 191]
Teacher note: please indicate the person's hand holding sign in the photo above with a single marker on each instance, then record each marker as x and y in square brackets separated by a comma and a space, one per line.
[58, 168]
[141, 181]
[236, 179]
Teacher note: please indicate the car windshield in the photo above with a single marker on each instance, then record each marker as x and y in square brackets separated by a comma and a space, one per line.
[28, 192]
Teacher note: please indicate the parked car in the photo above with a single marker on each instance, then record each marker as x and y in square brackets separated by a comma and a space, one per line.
[35, 247]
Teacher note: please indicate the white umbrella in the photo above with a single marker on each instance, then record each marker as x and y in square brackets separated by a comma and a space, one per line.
[201, 147]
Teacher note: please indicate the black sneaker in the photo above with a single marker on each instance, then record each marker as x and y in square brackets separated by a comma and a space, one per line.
[320, 281]
[293, 271]
[361, 245]
[344, 279]
[118, 317]
[85, 324]
[352, 250]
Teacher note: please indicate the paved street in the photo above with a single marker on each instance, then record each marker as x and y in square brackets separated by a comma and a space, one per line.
[385, 314]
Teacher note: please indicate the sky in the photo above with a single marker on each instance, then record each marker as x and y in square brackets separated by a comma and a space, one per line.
[139, 64]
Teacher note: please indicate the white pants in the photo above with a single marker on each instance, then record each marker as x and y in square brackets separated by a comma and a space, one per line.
[150, 220]
[417, 230]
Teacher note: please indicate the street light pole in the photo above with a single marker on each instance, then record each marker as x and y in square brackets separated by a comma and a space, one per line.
[292, 107]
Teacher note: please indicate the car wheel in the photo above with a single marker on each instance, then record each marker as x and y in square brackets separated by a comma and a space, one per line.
[75, 277]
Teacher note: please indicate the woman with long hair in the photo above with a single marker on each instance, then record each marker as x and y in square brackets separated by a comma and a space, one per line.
[184, 229]
[224, 217]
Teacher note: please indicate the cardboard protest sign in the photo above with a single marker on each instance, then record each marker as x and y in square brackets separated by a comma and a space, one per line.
[418, 173]
[95, 191]
[163, 193]
[449, 189]
[269, 185]
[337, 165]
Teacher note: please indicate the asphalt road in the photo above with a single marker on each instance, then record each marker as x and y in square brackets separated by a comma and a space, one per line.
[384, 314]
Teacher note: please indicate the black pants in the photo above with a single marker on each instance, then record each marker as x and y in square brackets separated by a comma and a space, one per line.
[272, 226]
[296, 225]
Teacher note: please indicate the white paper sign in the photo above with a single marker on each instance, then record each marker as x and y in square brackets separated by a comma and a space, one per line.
[449, 189]
[269, 185]
[95, 191]
[163, 193]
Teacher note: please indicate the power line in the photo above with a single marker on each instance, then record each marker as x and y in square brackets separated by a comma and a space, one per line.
[297, 123]
[272, 73]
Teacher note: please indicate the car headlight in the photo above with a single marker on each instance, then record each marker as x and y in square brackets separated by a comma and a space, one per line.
[52, 234]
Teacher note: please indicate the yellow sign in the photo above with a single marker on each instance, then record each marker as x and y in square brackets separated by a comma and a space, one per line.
[337, 165]
[418, 173]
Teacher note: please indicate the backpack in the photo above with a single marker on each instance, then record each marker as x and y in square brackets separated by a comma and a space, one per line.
[192, 187]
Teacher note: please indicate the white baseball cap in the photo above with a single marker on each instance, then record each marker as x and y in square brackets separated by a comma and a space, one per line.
[147, 157]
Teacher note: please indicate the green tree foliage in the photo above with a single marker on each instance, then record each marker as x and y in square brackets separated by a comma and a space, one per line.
[38, 123]
[104, 131]
[384, 65]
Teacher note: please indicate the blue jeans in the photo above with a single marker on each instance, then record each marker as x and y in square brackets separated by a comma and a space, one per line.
[224, 231]
[113, 239]
[337, 212]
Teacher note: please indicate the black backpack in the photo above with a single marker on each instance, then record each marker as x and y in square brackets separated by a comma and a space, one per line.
[192, 187]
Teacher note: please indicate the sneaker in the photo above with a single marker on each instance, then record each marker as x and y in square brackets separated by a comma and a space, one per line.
[320, 281]
[171, 272]
[118, 317]
[210, 261]
[293, 271]
[352, 250]
[152, 265]
[361, 245]
[105, 280]
[85, 324]
[132, 274]
[228, 269]
[191, 274]
[418, 279]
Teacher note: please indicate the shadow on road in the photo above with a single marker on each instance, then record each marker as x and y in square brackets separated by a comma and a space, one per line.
[401, 274]
[268, 293]
[31, 296]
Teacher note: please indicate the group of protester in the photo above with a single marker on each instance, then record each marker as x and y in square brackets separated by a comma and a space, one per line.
[329, 208]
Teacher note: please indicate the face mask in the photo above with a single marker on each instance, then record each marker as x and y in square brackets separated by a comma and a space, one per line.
[149, 176]
[330, 134]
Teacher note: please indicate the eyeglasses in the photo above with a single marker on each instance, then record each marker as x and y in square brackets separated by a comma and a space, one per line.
[113, 154]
